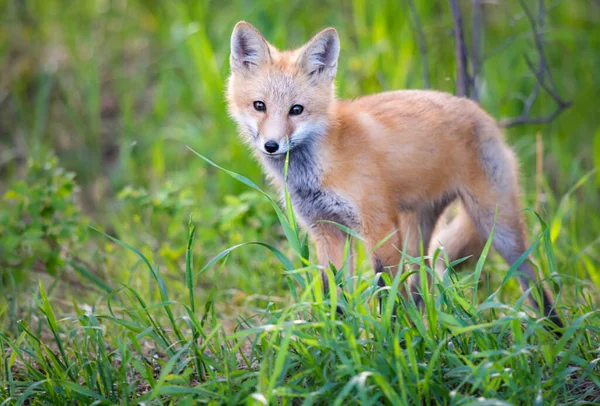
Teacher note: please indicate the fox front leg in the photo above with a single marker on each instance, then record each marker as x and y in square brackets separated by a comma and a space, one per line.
[331, 250]
[384, 242]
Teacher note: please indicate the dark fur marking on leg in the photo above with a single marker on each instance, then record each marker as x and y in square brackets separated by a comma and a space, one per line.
[549, 308]
[429, 216]
[378, 266]
[379, 269]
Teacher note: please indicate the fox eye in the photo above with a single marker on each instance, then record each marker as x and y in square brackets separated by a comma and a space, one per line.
[296, 110]
[260, 106]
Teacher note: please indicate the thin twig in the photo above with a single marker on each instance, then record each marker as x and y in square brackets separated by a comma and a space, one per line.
[518, 37]
[475, 58]
[463, 79]
[422, 44]
[542, 73]
[536, 120]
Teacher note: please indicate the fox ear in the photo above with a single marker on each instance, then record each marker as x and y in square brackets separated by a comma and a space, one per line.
[319, 56]
[248, 47]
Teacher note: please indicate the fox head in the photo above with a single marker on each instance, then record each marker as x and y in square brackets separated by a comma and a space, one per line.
[281, 99]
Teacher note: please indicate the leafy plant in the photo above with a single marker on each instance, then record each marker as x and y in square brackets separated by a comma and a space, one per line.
[40, 220]
[247, 211]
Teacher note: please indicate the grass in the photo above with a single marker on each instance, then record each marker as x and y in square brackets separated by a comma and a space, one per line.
[194, 286]
[463, 350]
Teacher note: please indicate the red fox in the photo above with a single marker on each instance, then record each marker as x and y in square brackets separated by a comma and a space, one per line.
[384, 164]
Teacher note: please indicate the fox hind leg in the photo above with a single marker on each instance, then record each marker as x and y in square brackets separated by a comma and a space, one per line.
[418, 229]
[509, 238]
[459, 239]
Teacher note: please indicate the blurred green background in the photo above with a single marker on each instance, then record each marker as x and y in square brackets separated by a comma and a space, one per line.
[99, 99]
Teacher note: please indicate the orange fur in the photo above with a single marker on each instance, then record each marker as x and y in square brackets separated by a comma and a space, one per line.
[397, 157]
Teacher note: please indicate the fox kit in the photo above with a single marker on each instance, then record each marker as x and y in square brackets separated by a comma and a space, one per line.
[385, 164]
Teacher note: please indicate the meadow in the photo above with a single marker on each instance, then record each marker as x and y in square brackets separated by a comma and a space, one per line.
[144, 258]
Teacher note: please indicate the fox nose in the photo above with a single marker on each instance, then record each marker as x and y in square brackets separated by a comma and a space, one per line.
[271, 146]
